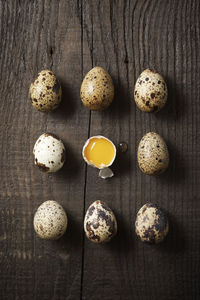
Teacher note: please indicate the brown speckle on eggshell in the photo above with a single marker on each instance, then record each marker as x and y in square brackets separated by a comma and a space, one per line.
[151, 224]
[45, 92]
[150, 91]
[100, 224]
[97, 90]
[152, 155]
[50, 220]
[49, 153]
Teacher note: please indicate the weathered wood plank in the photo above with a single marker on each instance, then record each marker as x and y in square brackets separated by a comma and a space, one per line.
[37, 35]
[129, 37]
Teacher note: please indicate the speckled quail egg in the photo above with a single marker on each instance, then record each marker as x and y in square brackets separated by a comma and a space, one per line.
[97, 90]
[100, 224]
[45, 92]
[50, 220]
[150, 91]
[152, 155]
[151, 224]
[49, 153]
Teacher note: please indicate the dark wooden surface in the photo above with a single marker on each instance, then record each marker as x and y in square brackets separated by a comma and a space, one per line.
[125, 37]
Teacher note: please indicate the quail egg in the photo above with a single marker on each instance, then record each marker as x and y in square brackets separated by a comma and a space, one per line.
[151, 224]
[97, 90]
[45, 92]
[100, 224]
[99, 152]
[152, 155]
[50, 220]
[150, 91]
[49, 153]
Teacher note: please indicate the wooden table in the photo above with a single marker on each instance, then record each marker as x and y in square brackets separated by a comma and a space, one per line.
[124, 37]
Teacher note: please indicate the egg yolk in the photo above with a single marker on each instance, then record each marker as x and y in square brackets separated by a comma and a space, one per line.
[100, 152]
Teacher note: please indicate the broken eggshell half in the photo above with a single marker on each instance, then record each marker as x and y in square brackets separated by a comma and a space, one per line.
[99, 152]
[106, 173]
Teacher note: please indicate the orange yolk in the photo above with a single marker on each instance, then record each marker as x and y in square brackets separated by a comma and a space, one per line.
[100, 152]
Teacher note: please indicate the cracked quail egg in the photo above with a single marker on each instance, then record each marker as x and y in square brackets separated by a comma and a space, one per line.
[49, 153]
[45, 92]
[151, 224]
[50, 220]
[97, 90]
[100, 224]
[152, 155]
[150, 91]
[99, 152]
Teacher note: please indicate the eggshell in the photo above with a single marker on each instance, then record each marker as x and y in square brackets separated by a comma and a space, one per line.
[152, 155]
[106, 173]
[100, 224]
[150, 91]
[89, 162]
[50, 220]
[49, 153]
[151, 224]
[97, 90]
[45, 92]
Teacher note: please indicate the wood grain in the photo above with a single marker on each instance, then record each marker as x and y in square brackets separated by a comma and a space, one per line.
[124, 37]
